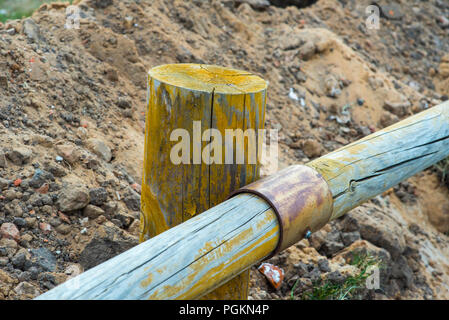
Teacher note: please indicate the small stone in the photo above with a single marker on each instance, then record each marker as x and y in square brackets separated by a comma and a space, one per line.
[69, 152]
[332, 87]
[98, 196]
[44, 258]
[73, 197]
[100, 149]
[31, 222]
[110, 208]
[3, 183]
[323, 264]
[17, 182]
[43, 189]
[9, 231]
[132, 200]
[20, 222]
[124, 218]
[20, 155]
[391, 11]
[99, 250]
[45, 227]
[4, 261]
[73, 270]
[312, 148]
[314, 275]
[256, 4]
[39, 178]
[101, 219]
[134, 228]
[27, 289]
[274, 274]
[387, 119]
[27, 238]
[10, 195]
[63, 217]
[81, 132]
[92, 211]
[84, 221]
[21, 259]
[31, 30]
[101, 3]
[63, 229]
[399, 109]
[11, 31]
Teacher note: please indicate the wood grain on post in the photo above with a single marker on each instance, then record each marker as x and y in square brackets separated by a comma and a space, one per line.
[196, 98]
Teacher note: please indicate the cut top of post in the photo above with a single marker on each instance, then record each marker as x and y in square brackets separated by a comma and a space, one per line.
[208, 78]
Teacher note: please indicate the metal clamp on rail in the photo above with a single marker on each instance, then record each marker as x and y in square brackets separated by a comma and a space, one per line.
[301, 199]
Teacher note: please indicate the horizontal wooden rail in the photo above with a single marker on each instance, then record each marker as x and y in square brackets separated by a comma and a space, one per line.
[195, 257]
[369, 166]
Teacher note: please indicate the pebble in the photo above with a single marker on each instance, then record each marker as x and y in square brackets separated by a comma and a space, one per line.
[31, 30]
[19, 155]
[92, 211]
[63, 229]
[274, 274]
[312, 148]
[73, 197]
[68, 152]
[44, 258]
[9, 231]
[26, 288]
[45, 227]
[100, 149]
[3, 183]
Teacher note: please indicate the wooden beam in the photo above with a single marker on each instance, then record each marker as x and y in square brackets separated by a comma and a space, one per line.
[202, 253]
[196, 98]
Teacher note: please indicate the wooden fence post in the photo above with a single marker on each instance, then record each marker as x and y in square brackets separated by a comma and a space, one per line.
[196, 98]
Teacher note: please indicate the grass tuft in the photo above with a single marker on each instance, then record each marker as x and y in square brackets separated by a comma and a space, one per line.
[18, 9]
[330, 290]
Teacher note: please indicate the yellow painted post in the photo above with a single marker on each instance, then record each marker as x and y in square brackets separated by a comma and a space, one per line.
[196, 98]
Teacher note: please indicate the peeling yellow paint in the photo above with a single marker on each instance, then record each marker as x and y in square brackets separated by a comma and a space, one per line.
[145, 283]
[197, 283]
[219, 98]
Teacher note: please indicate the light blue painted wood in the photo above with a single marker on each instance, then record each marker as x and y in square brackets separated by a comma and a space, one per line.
[372, 165]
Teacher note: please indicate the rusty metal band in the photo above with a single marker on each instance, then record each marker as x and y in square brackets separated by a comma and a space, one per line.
[301, 199]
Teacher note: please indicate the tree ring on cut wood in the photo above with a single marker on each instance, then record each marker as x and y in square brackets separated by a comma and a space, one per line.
[301, 199]
[208, 78]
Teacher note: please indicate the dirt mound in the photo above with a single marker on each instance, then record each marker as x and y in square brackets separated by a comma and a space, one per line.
[72, 127]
